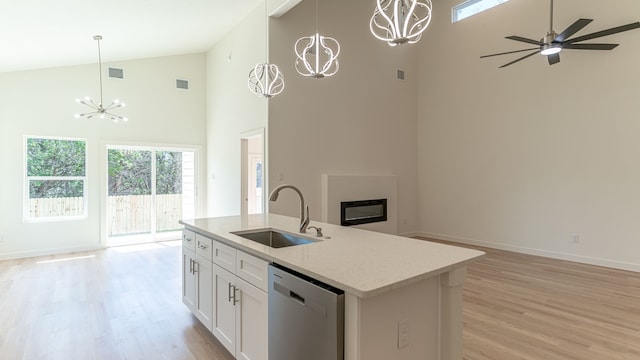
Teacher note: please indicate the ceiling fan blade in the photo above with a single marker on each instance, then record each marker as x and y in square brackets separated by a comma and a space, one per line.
[606, 32]
[589, 46]
[508, 52]
[553, 59]
[522, 58]
[528, 41]
[574, 28]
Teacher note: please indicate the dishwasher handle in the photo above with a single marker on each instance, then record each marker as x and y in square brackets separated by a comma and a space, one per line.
[288, 293]
[296, 297]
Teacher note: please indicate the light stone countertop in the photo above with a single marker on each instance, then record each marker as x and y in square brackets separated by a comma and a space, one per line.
[363, 263]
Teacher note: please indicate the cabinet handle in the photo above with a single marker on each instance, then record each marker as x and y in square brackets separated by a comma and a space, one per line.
[202, 246]
[190, 266]
[235, 296]
[230, 296]
[185, 238]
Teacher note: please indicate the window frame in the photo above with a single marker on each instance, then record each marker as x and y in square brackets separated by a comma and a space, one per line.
[469, 3]
[26, 206]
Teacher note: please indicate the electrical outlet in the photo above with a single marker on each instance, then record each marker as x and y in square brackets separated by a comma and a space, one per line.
[575, 238]
[404, 337]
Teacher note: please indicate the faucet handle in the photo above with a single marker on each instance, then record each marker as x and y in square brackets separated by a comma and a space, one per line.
[318, 230]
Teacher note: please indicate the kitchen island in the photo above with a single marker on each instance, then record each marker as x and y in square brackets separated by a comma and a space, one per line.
[403, 297]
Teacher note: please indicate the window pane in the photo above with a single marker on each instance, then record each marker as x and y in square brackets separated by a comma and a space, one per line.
[169, 190]
[129, 172]
[53, 157]
[39, 189]
[55, 198]
[472, 7]
[130, 199]
[168, 172]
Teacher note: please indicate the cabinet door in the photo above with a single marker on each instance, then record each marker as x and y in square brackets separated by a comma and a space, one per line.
[251, 322]
[188, 279]
[224, 312]
[204, 291]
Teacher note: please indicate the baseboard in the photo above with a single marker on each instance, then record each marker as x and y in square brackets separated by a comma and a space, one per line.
[410, 234]
[621, 265]
[46, 252]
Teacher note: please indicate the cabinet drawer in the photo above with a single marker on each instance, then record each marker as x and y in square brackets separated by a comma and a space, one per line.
[189, 239]
[252, 269]
[224, 256]
[204, 247]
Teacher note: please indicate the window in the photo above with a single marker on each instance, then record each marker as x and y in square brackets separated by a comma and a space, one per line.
[149, 190]
[472, 7]
[56, 178]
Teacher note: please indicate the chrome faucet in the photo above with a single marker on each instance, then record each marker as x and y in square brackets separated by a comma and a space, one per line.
[304, 218]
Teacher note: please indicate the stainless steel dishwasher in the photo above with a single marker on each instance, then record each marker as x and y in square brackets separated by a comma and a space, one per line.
[306, 317]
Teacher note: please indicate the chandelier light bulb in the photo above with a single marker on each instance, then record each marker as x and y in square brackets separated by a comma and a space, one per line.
[317, 56]
[400, 21]
[266, 80]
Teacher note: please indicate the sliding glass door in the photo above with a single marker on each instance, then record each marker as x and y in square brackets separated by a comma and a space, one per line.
[149, 189]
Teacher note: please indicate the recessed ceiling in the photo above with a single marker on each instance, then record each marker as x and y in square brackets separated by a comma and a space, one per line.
[45, 33]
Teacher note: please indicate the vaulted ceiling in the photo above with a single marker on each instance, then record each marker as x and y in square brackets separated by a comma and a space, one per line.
[45, 33]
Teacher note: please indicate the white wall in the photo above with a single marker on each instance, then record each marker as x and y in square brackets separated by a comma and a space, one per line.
[524, 157]
[42, 102]
[232, 109]
[362, 121]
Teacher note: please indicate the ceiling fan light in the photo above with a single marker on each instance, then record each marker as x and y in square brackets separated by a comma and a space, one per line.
[550, 50]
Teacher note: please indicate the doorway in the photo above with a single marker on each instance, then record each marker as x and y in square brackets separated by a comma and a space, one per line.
[253, 172]
[149, 189]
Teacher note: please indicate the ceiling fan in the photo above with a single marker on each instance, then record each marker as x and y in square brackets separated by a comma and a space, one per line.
[551, 45]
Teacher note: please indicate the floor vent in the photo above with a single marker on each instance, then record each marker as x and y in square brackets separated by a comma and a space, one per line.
[182, 84]
[116, 73]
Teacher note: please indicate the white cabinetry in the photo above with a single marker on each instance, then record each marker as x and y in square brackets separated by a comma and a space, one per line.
[235, 305]
[197, 274]
[251, 322]
[224, 311]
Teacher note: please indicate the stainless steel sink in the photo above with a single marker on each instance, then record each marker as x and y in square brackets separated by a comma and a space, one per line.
[274, 238]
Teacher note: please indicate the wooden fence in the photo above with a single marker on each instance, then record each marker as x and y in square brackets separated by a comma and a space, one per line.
[52, 207]
[132, 214]
[125, 214]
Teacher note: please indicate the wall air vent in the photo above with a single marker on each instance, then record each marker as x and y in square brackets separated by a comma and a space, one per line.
[400, 74]
[182, 84]
[116, 73]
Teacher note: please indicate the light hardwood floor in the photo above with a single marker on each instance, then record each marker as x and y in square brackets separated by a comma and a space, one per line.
[124, 303]
[531, 308]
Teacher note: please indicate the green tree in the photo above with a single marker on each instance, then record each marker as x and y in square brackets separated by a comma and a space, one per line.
[129, 172]
[55, 158]
[168, 172]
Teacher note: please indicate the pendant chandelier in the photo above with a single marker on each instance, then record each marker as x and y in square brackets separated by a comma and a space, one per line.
[98, 109]
[317, 55]
[266, 80]
[400, 21]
